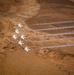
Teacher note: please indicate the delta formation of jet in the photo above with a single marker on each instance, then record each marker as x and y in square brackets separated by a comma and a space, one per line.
[22, 37]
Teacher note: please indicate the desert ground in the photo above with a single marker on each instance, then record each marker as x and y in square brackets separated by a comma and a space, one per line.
[49, 29]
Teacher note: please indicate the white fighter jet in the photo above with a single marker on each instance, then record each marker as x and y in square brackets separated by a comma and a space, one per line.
[23, 36]
[14, 36]
[17, 31]
[20, 43]
[20, 25]
[27, 49]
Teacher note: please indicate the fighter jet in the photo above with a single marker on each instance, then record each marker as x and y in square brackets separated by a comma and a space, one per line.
[14, 36]
[23, 36]
[20, 43]
[27, 49]
[20, 25]
[17, 31]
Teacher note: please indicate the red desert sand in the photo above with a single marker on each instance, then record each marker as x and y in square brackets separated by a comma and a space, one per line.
[14, 60]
